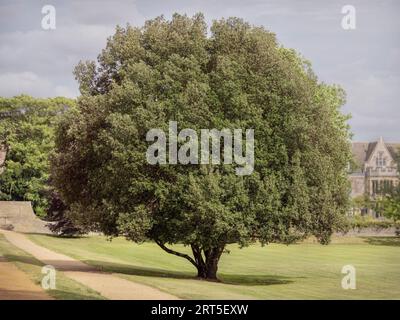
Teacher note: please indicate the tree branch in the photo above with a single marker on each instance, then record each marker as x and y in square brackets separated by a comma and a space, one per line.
[197, 255]
[176, 253]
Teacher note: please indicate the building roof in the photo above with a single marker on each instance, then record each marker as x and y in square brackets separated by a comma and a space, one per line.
[394, 148]
[363, 150]
[359, 150]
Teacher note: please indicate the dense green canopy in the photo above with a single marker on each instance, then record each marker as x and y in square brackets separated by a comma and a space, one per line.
[389, 203]
[27, 135]
[235, 77]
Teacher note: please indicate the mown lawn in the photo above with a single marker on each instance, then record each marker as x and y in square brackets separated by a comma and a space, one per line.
[302, 271]
[66, 289]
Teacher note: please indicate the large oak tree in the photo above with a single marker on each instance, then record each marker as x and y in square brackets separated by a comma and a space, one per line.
[235, 76]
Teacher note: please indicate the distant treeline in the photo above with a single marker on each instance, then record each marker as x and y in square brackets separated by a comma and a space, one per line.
[27, 127]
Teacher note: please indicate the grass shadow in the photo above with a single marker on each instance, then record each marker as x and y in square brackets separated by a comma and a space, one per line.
[383, 241]
[138, 270]
[255, 280]
[68, 295]
[239, 279]
[22, 259]
[58, 236]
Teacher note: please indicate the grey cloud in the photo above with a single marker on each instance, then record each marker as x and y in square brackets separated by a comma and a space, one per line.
[32, 84]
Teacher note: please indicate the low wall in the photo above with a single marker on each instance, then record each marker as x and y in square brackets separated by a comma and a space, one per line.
[20, 215]
[370, 232]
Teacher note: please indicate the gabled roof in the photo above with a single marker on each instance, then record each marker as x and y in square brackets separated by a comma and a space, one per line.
[363, 150]
[370, 150]
[394, 149]
[359, 150]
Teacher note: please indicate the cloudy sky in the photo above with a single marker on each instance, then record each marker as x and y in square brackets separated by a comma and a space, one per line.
[364, 61]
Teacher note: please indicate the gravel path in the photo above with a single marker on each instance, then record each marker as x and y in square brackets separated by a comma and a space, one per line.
[16, 285]
[108, 285]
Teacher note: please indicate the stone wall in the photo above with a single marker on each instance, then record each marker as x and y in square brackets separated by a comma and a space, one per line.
[20, 215]
[370, 232]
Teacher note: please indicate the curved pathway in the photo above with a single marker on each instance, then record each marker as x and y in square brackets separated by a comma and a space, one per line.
[108, 285]
[16, 285]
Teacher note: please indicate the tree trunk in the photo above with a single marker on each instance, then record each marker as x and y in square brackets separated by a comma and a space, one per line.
[212, 268]
[207, 269]
[208, 272]
[206, 266]
[201, 272]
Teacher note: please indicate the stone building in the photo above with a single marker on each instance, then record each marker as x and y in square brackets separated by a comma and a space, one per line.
[375, 168]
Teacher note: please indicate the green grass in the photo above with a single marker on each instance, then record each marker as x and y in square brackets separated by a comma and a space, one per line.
[301, 271]
[66, 289]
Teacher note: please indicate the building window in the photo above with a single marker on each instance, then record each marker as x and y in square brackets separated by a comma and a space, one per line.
[380, 160]
[387, 186]
[381, 186]
[375, 187]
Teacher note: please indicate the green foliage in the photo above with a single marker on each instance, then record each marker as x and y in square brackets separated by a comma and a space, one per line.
[237, 78]
[361, 202]
[389, 203]
[27, 134]
[364, 222]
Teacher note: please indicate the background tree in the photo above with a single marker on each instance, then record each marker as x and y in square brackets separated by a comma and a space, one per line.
[58, 214]
[389, 203]
[239, 77]
[27, 134]
[361, 204]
